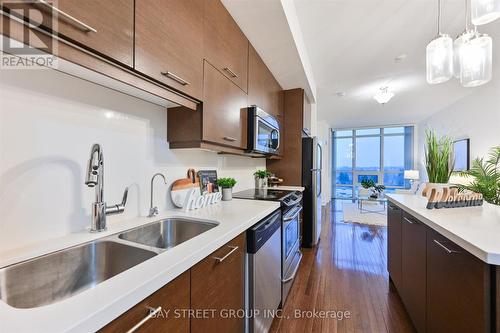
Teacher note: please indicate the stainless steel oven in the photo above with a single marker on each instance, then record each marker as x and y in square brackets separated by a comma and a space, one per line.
[290, 247]
[263, 132]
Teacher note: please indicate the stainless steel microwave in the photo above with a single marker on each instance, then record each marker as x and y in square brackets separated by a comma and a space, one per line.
[263, 132]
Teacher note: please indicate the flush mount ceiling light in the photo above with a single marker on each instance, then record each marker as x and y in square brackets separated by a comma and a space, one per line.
[400, 58]
[439, 55]
[384, 95]
[484, 11]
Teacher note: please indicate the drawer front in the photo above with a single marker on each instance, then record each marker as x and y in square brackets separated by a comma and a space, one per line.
[174, 296]
[217, 283]
[104, 26]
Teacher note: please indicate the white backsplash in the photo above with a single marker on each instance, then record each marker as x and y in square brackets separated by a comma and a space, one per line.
[48, 122]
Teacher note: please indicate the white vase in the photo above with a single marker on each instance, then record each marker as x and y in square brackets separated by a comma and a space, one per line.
[227, 194]
[260, 183]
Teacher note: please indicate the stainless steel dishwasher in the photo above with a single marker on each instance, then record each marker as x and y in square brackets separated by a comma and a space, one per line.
[263, 273]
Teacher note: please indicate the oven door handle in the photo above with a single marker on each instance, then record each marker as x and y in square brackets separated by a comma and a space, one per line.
[291, 277]
[294, 215]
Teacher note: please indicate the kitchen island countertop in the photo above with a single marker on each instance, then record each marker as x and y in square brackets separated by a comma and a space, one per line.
[476, 229]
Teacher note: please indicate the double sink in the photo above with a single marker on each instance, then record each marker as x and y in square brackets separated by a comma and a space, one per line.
[59, 275]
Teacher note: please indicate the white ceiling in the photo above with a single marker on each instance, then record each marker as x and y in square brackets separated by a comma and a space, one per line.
[351, 46]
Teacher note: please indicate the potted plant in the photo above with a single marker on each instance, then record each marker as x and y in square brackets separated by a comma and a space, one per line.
[227, 185]
[369, 184]
[484, 177]
[439, 159]
[261, 178]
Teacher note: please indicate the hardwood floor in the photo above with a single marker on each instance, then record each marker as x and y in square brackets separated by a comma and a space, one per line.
[346, 273]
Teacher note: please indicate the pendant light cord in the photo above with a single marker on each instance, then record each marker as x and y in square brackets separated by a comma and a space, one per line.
[439, 18]
[467, 15]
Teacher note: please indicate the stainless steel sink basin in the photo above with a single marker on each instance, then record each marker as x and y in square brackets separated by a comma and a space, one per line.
[167, 233]
[59, 275]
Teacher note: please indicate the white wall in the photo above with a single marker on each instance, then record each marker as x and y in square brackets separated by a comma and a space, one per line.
[323, 133]
[48, 122]
[476, 116]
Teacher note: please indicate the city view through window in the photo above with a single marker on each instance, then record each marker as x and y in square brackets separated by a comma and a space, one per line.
[379, 154]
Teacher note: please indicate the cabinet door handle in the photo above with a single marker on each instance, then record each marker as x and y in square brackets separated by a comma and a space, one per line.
[176, 78]
[409, 221]
[233, 74]
[229, 138]
[152, 312]
[234, 248]
[391, 207]
[68, 17]
[445, 248]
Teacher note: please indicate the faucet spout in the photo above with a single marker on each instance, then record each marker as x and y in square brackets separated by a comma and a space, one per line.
[95, 178]
[153, 211]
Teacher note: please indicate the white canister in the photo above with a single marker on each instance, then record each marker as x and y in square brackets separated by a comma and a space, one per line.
[227, 194]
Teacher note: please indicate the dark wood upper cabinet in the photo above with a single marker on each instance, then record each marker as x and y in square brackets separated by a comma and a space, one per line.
[413, 269]
[292, 123]
[219, 285]
[224, 110]
[226, 47]
[394, 234]
[263, 89]
[169, 43]
[173, 296]
[106, 27]
[458, 288]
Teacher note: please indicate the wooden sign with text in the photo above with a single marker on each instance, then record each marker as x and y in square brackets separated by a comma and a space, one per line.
[450, 197]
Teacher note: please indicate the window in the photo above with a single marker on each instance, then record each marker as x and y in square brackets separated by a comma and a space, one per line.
[379, 154]
[368, 153]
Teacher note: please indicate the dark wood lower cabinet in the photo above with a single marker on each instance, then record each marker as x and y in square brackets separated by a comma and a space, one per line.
[458, 288]
[413, 268]
[443, 287]
[174, 296]
[218, 285]
[394, 251]
[204, 299]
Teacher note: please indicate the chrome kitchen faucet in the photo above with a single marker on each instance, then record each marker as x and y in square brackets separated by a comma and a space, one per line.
[153, 211]
[95, 178]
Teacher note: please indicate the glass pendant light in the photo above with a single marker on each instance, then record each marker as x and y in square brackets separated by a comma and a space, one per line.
[484, 11]
[465, 36]
[439, 56]
[476, 61]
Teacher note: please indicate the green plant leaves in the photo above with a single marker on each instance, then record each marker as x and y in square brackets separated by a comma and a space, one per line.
[226, 182]
[485, 175]
[439, 157]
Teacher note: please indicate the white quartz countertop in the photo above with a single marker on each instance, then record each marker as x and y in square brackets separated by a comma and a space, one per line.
[93, 308]
[476, 229]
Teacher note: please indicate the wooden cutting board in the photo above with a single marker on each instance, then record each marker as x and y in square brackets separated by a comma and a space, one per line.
[180, 187]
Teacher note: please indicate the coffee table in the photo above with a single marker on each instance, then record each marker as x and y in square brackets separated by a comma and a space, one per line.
[365, 199]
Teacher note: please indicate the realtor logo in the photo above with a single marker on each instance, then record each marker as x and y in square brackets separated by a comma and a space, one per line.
[29, 48]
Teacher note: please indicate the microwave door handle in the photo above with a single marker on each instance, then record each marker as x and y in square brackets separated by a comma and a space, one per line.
[278, 136]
